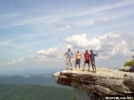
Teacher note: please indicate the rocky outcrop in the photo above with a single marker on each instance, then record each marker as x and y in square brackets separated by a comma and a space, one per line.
[125, 69]
[97, 86]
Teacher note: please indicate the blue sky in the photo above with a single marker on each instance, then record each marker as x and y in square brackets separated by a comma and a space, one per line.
[35, 34]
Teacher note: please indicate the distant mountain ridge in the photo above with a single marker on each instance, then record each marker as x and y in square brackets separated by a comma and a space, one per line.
[37, 79]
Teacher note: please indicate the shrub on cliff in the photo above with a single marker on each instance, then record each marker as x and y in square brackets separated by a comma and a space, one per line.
[129, 63]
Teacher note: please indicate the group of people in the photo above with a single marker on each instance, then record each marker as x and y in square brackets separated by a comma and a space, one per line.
[88, 58]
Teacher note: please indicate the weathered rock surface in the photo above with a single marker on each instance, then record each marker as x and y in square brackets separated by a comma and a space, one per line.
[125, 69]
[96, 86]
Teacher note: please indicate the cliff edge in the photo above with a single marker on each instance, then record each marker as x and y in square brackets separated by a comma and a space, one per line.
[97, 86]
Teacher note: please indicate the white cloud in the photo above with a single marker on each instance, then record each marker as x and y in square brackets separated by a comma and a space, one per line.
[69, 46]
[129, 39]
[51, 52]
[14, 62]
[41, 52]
[80, 41]
[120, 48]
[43, 56]
[103, 19]
[108, 45]
[35, 59]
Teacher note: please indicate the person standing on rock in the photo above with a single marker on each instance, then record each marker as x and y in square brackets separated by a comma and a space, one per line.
[77, 59]
[92, 56]
[69, 56]
[86, 60]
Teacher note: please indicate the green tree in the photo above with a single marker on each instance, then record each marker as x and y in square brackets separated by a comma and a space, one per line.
[130, 63]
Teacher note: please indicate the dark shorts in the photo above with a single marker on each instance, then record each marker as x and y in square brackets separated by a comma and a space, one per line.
[77, 61]
[86, 61]
[93, 63]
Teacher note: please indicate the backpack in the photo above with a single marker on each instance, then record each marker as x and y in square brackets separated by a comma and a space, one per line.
[131, 69]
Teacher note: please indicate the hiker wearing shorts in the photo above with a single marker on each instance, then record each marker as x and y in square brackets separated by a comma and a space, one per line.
[92, 56]
[69, 56]
[86, 60]
[77, 59]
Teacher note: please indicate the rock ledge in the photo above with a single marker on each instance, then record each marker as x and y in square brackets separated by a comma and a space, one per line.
[97, 86]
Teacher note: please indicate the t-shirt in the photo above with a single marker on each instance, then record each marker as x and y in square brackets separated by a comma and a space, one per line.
[87, 56]
[92, 56]
[69, 55]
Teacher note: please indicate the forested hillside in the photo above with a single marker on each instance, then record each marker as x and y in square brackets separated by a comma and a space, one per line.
[34, 92]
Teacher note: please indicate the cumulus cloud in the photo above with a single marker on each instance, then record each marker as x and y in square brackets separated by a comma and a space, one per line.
[129, 39]
[43, 56]
[80, 41]
[120, 48]
[103, 19]
[28, 60]
[51, 52]
[108, 45]
[13, 62]
[69, 46]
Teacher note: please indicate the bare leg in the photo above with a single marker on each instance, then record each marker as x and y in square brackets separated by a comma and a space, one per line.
[95, 68]
[67, 65]
[71, 66]
[88, 67]
[75, 65]
[79, 64]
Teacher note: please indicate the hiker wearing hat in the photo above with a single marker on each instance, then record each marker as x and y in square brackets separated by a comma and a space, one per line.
[86, 60]
[69, 56]
[92, 56]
